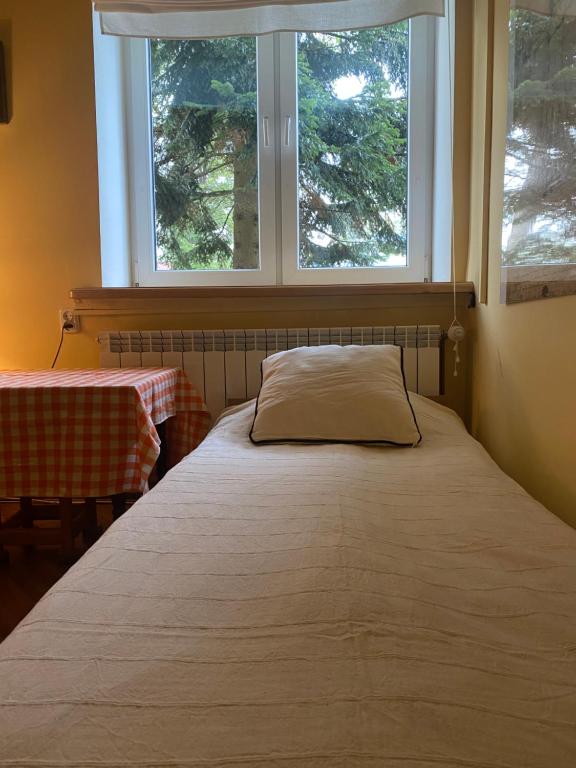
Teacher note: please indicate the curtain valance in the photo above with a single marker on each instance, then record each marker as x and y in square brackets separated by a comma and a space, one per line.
[224, 18]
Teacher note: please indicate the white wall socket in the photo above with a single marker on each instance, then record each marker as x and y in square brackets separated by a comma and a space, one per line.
[70, 318]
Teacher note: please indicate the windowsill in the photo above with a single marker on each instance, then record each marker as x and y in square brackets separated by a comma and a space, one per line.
[537, 281]
[464, 289]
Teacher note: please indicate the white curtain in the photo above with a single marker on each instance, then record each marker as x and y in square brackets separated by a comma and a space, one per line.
[223, 18]
[547, 7]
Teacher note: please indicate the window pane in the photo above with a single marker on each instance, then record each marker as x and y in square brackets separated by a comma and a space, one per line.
[353, 154]
[540, 171]
[204, 120]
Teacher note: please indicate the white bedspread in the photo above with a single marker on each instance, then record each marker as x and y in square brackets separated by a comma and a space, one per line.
[308, 607]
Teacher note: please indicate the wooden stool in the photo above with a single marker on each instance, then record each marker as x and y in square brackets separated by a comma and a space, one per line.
[73, 518]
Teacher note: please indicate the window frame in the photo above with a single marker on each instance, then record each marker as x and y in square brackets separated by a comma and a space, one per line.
[278, 172]
[141, 176]
[517, 283]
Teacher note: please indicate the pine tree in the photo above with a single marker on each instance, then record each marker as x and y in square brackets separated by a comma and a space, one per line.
[540, 197]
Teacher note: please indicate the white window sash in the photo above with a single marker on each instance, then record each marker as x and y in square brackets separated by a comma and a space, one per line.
[420, 172]
[140, 171]
[142, 181]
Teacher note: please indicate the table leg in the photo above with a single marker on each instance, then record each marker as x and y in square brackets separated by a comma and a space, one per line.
[162, 460]
[27, 516]
[118, 505]
[90, 531]
[67, 528]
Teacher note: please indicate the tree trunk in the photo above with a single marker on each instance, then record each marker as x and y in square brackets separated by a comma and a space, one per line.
[542, 192]
[541, 176]
[246, 246]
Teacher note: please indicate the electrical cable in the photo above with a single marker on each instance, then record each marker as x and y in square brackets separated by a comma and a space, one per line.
[59, 347]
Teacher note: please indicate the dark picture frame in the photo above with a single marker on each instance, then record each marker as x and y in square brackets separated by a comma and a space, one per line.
[4, 113]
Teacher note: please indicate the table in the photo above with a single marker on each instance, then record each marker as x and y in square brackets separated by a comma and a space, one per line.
[92, 433]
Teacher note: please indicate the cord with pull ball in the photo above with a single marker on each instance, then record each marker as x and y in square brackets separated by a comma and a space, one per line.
[456, 332]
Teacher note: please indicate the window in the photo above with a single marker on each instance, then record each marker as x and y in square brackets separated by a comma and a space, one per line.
[293, 158]
[204, 97]
[352, 148]
[539, 203]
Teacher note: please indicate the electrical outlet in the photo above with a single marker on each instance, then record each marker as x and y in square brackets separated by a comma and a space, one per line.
[70, 321]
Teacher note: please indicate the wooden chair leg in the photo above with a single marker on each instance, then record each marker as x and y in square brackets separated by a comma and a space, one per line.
[67, 528]
[90, 531]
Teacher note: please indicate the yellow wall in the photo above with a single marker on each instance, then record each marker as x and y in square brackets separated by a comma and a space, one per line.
[524, 367]
[49, 229]
[524, 387]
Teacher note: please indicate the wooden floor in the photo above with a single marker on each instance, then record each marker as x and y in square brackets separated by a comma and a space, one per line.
[29, 574]
[23, 581]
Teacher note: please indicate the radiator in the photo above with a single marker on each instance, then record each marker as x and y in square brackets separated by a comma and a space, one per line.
[224, 366]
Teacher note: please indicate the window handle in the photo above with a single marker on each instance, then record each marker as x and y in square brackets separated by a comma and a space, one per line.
[287, 127]
[266, 130]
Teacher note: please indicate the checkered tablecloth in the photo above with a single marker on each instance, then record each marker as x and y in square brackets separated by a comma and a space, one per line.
[81, 433]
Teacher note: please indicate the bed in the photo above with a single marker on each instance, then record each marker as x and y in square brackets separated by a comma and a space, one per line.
[298, 606]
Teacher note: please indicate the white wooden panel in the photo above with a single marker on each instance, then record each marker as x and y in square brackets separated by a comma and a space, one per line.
[172, 360]
[131, 360]
[194, 370]
[214, 381]
[428, 371]
[235, 363]
[109, 360]
[253, 374]
[151, 359]
[411, 368]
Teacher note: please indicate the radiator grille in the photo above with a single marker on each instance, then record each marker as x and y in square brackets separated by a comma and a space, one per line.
[224, 365]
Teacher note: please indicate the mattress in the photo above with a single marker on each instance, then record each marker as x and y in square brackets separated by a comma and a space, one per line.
[308, 607]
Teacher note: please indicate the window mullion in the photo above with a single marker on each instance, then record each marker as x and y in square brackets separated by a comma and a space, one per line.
[267, 158]
[287, 144]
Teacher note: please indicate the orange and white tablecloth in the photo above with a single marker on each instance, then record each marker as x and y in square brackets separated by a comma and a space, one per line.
[82, 433]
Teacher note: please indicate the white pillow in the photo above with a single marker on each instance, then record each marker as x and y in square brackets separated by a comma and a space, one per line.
[334, 394]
